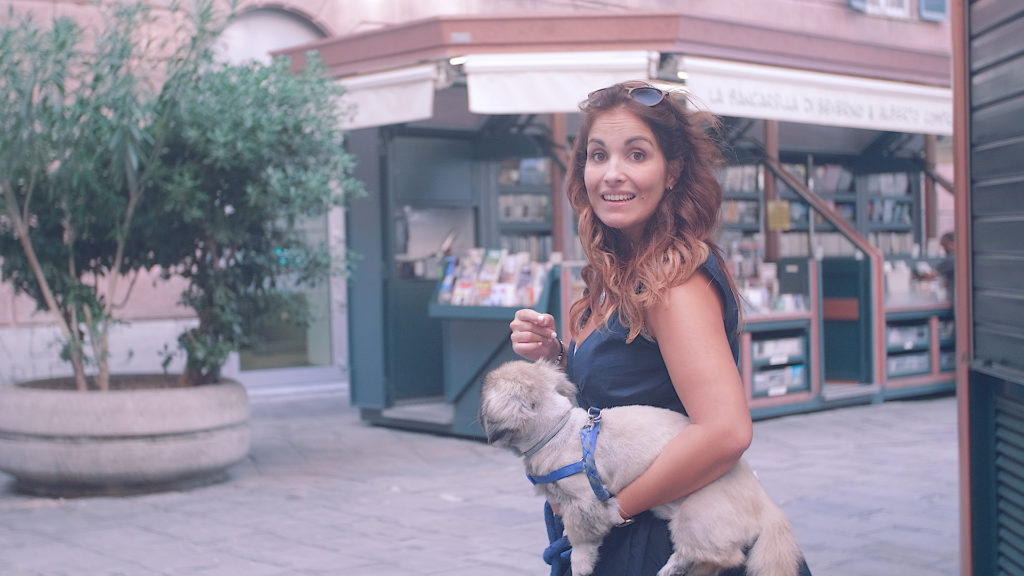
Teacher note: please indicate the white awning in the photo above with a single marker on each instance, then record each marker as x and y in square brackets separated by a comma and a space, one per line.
[755, 91]
[391, 97]
[545, 83]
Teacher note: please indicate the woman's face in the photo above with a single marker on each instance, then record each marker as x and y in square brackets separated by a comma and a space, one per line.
[626, 173]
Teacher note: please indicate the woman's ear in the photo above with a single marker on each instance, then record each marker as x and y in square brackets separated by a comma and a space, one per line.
[674, 173]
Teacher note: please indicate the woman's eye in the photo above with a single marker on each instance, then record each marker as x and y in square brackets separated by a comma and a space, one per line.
[597, 156]
[637, 155]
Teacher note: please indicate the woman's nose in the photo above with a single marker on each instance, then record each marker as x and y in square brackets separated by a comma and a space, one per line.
[613, 173]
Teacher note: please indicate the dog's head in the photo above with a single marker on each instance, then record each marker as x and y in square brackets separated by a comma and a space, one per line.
[521, 400]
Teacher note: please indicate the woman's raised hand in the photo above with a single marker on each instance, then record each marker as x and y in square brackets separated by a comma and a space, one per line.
[534, 336]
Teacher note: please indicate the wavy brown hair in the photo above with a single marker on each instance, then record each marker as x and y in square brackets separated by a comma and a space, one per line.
[678, 235]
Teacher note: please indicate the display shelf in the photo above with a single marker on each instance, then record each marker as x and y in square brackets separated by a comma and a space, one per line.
[525, 227]
[920, 352]
[780, 350]
[891, 210]
[844, 203]
[907, 337]
[474, 341]
[880, 199]
[779, 358]
[523, 191]
[780, 363]
[741, 198]
[831, 178]
[801, 214]
[521, 203]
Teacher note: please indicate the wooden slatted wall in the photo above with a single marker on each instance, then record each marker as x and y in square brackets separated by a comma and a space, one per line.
[995, 115]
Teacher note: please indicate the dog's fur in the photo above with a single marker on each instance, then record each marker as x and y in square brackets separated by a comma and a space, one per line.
[710, 528]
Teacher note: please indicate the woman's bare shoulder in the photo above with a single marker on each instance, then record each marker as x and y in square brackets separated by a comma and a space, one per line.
[689, 304]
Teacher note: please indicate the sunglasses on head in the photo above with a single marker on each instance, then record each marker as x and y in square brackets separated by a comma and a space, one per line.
[647, 95]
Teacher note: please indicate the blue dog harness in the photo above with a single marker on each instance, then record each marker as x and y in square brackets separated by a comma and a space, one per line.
[588, 439]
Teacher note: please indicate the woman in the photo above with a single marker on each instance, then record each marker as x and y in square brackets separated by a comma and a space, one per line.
[657, 322]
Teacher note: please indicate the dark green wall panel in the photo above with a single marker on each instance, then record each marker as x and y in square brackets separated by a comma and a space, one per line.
[995, 386]
[998, 198]
[998, 272]
[998, 44]
[998, 82]
[999, 236]
[997, 122]
[988, 14]
[999, 160]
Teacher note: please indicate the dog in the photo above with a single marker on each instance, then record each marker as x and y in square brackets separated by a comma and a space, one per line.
[530, 409]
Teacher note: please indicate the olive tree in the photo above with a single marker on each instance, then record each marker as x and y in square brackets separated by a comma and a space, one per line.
[83, 119]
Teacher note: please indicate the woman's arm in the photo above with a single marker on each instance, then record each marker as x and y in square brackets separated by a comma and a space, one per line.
[689, 330]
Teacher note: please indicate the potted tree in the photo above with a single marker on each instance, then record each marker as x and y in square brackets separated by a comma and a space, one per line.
[119, 154]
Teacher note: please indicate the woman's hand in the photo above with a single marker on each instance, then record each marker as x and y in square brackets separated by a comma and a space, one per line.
[534, 336]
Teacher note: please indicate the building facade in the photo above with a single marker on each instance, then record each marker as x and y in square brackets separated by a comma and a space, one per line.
[871, 66]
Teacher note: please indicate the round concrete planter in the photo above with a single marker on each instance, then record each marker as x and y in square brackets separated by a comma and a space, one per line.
[69, 443]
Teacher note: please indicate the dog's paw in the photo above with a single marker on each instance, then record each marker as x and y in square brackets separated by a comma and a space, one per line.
[677, 565]
[583, 559]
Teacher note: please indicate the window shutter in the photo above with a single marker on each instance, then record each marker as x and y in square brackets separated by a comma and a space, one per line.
[1009, 483]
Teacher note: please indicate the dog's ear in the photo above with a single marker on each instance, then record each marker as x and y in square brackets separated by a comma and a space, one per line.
[564, 387]
[556, 376]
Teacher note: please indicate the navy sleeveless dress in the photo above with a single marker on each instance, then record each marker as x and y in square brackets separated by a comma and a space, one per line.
[609, 372]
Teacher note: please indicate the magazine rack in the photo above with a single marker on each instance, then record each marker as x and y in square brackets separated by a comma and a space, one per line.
[475, 340]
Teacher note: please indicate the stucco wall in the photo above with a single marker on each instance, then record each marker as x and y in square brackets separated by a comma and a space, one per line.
[826, 17]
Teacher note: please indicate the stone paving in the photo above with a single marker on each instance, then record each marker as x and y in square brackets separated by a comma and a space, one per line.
[871, 490]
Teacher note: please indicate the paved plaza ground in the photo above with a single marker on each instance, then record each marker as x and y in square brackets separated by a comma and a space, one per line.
[871, 491]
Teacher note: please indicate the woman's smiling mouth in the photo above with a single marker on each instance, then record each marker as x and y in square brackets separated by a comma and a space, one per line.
[621, 197]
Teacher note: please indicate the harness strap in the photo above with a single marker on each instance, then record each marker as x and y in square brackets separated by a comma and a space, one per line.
[588, 439]
[563, 472]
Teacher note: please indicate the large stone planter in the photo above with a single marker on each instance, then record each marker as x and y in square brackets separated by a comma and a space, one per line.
[68, 443]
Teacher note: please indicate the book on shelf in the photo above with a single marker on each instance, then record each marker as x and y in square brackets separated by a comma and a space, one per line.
[523, 208]
[741, 178]
[888, 183]
[490, 268]
[444, 292]
[535, 171]
[538, 246]
[832, 178]
[845, 181]
[890, 211]
[493, 277]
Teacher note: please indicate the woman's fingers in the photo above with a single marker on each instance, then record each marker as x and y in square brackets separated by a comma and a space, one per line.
[532, 333]
[526, 320]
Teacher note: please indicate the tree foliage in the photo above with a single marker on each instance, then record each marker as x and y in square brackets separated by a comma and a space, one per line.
[256, 150]
[120, 153]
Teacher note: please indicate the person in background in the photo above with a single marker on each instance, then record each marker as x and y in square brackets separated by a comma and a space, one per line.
[657, 323]
[946, 267]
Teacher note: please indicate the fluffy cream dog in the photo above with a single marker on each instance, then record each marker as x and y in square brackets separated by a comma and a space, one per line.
[530, 409]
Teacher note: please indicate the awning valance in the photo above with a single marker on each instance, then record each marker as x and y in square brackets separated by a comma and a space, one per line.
[546, 83]
[731, 88]
[390, 97]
